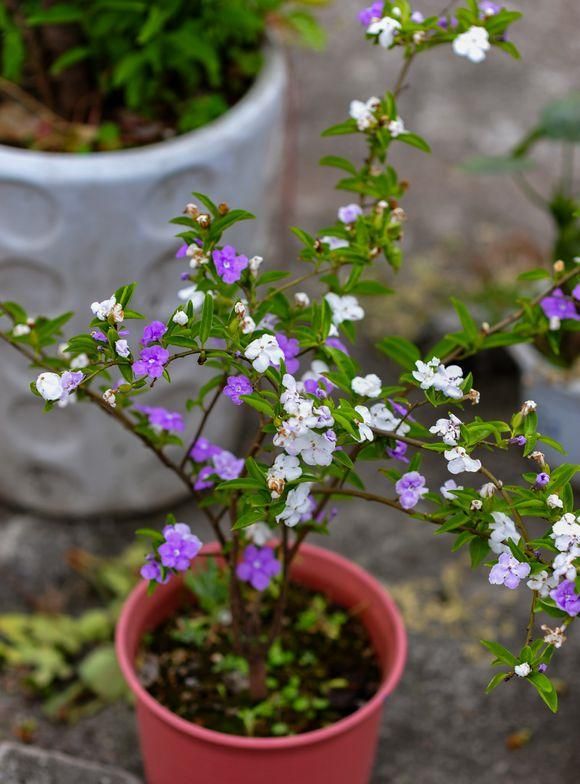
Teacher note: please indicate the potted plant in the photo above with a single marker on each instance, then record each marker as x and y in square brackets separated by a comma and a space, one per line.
[550, 364]
[259, 655]
[111, 113]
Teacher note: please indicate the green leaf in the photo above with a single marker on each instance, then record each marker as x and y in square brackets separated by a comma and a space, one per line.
[495, 681]
[349, 126]
[69, 58]
[100, 672]
[415, 141]
[545, 689]
[206, 318]
[497, 164]
[207, 203]
[246, 519]
[338, 163]
[61, 13]
[560, 120]
[478, 550]
[467, 322]
[255, 401]
[401, 350]
[500, 652]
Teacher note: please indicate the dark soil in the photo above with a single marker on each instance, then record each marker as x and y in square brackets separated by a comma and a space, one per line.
[322, 669]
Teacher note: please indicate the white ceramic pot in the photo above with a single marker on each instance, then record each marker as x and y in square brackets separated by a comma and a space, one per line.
[75, 227]
[558, 399]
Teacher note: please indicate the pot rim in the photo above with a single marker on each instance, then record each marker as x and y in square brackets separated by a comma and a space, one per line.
[115, 164]
[390, 678]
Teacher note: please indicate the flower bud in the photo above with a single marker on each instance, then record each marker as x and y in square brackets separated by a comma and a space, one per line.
[203, 220]
[109, 398]
[191, 210]
[527, 407]
[223, 208]
[301, 299]
[559, 266]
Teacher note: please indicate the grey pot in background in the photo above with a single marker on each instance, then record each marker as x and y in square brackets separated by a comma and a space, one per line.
[558, 400]
[73, 228]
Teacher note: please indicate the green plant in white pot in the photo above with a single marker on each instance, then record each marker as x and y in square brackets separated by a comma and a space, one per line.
[160, 99]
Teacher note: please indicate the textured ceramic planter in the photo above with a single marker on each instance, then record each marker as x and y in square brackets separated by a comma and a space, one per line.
[75, 227]
[558, 399]
[176, 751]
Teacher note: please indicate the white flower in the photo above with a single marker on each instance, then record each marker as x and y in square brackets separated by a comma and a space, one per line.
[102, 310]
[20, 330]
[487, 490]
[564, 566]
[527, 407]
[80, 361]
[555, 323]
[292, 397]
[334, 243]
[425, 372]
[386, 29]
[287, 467]
[49, 386]
[459, 461]
[446, 489]
[566, 532]
[364, 112]
[258, 533]
[344, 308]
[555, 637]
[522, 670]
[396, 127]
[502, 529]
[473, 44]
[180, 317]
[476, 505]
[263, 352]
[554, 501]
[448, 429]
[383, 419]
[191, 294]
[325, 418]
[196, 256]
[297, 505]
[301, 299]
[542, 582]
[448, 380]
[122, 348]
[317, 448]
[254, 265]
[110, 398]
[367, 386]
[364, 424]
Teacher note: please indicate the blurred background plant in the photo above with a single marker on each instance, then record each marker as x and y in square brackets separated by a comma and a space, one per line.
[68, 661]
[107, 74]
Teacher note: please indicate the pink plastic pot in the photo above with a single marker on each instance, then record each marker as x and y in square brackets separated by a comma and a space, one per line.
[176, 751]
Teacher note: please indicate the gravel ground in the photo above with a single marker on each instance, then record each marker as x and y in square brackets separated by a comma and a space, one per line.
[439, 726]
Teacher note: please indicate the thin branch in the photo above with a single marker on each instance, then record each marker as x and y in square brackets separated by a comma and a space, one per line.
[202, 424]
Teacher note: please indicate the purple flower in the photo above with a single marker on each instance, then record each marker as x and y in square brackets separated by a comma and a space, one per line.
[258, 566]
[542, 479]
[398, 452]
[227, 466]
[151, 362]
[558, 305]
[489, 8]
[99, 336]
[508, 571]
[162, 418]
[203, 450]
[417, 17]
[70, 380]
[181, 251]
[374, 11]
[203, 482]
[179, 548]
[349, 213]
[400, 409]
[445, 23]
[337, 344]
[236, 386]
[576, 292]
[151, 570]
[153, 332]
[566, 597]
[229, 266]
[411, 488]
[519, 440]
[542, 667]
[290, 348]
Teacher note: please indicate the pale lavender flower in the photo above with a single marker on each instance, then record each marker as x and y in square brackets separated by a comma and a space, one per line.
[489, 8]
[202, 481]
[179, 548]
[417, 17]
[70, 380]
[519, 440]
[411, 488]
[151, 570]
[153, 332]
[99, 336]
[542, 479]
[151, 362]
[337, 344]
[290, 348]
[374, 11]
[236, 386]
[227, 466]
[204, 450]
[566, 597]
[258, 566]
[228, 264]
[398, 452]
[508, 571]
[181, 251]
[349, 213]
